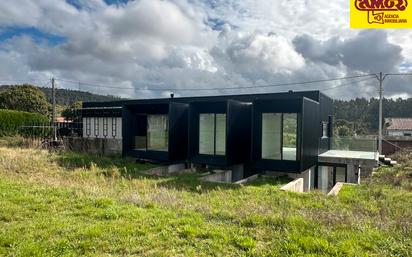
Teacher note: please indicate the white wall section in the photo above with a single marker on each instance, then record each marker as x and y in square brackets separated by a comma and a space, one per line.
[102, 127]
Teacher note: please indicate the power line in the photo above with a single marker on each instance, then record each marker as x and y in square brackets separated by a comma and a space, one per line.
[219, 88]
[353, 83]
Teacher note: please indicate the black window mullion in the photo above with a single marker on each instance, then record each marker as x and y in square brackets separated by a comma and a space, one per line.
[214, 145]
[281, 136]
[147, 129]
[346, 173]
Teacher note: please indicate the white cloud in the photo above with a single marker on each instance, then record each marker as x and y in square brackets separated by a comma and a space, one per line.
[153, 44]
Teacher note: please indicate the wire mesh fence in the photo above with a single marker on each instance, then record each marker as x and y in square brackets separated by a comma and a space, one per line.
[41, 134]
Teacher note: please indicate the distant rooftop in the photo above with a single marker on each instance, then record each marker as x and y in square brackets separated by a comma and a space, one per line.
[398, 123]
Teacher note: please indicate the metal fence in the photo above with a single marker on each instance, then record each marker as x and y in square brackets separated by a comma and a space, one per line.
[41, 134]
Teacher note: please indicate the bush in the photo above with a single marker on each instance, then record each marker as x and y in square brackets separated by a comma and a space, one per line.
[12, 123]
[25, 98]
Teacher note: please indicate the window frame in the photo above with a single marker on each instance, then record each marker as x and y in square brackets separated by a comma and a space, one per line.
[282, 123]
[214, 133]
[147, 132]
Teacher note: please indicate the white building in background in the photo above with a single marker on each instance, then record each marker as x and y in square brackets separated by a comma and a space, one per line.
[102, 127]
[398, 127]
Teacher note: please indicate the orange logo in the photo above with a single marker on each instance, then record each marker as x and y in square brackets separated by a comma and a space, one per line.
[392, 13]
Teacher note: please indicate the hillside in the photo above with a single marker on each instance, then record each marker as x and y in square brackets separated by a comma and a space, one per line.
[56, 204]
[67, 97]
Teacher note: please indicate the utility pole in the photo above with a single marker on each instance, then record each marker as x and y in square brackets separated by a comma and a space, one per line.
[381, 79]
[54, 109]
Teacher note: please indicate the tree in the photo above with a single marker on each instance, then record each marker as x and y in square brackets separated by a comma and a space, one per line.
[344, 131]
[72, 113]
[24, 98]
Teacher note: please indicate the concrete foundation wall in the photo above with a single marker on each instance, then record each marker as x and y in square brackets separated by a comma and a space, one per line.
[94, 145]
[306, 176]
[296, 185]
[219, 176]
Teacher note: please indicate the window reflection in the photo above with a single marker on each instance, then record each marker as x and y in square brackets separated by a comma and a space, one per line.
[279, 136]
[212, 133]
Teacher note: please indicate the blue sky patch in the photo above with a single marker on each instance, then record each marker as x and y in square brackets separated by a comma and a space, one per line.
[116, 2]
[75, 3]
[215, 24]
[36, 34]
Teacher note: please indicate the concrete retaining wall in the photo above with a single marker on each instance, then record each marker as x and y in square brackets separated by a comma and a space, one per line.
[306, 176]
[296, 185]
[108, 146]
[224, 176]
[338, 186]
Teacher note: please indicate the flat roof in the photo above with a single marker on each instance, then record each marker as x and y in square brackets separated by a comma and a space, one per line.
[314, 95]
[358, 155]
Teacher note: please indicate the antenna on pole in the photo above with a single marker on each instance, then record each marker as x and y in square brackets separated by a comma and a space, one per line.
[54, 109]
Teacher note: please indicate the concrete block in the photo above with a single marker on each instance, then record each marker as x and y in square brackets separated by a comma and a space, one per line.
[296, 186]
[237, 172]
[336, 189]
[223, 176]
[247, 180]
[175, 168]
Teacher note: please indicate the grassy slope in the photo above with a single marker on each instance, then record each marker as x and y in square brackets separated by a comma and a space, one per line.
[71, 204]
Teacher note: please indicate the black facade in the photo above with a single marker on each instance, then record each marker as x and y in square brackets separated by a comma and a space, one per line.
[135, 124]
[305, 120]
[237, 132]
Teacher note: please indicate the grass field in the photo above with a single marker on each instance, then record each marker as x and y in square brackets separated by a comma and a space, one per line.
[55, 204]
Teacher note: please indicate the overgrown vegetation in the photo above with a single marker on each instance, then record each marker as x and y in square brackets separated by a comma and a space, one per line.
[66, 204]
[25, 98]
[12, 122]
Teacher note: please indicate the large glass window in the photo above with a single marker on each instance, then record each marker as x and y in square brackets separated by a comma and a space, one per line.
[271, 136]
[157, 132]
[212, 134]
[206, 133]
[279, 136]
[290, 127]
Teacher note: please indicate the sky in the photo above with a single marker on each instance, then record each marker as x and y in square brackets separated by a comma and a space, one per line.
[150, 48]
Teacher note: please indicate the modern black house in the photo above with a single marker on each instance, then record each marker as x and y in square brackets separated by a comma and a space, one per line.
[278, 132]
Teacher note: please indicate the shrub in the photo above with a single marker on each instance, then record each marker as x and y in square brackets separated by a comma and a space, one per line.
[12, 123]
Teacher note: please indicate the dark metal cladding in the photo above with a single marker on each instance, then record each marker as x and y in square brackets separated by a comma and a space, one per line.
[243, 127]
[291, 105]
[310, 134]
[326, 114]
[102, 112]
[314, 95]
[134, 120]
[238, 132]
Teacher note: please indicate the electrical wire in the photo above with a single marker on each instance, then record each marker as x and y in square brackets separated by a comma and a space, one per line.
[219, 88]
[353, 83]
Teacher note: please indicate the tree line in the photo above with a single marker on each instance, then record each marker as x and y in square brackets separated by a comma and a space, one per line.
[361, 115]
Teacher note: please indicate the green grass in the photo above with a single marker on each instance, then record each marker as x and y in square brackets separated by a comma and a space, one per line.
[66, 204]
